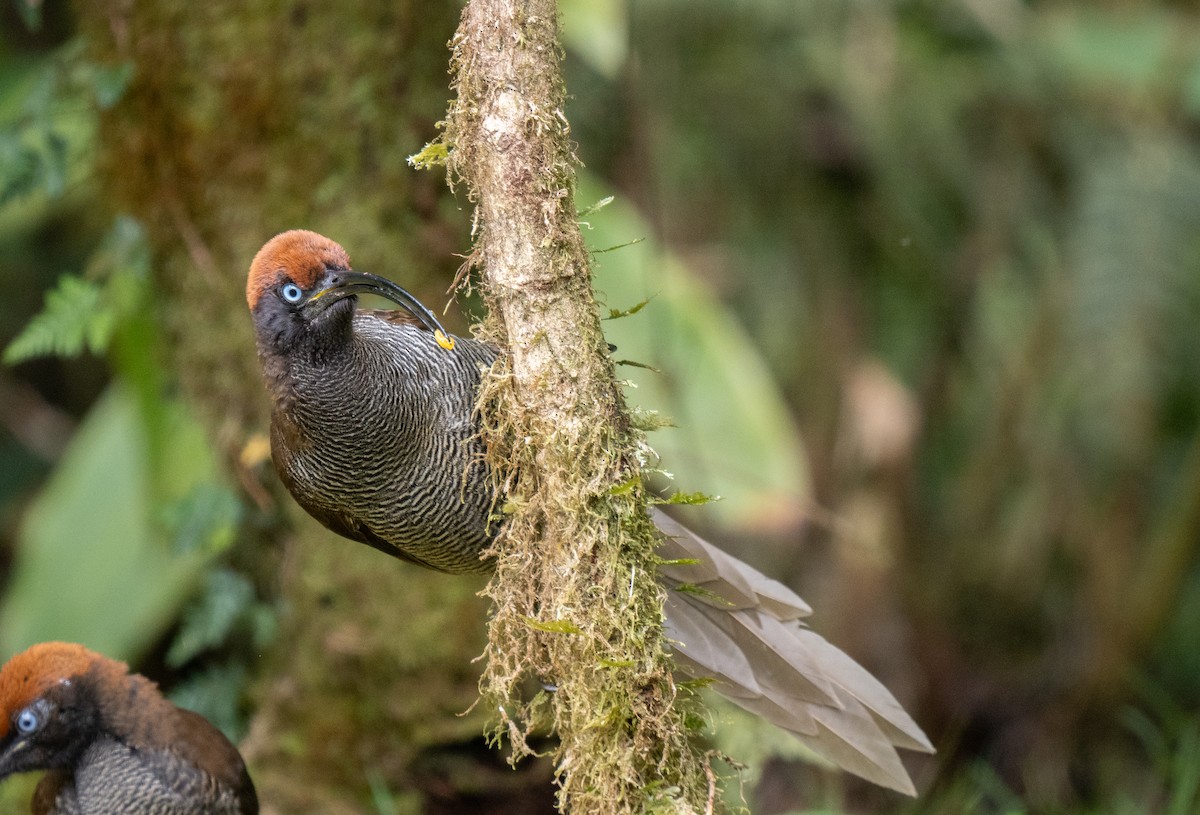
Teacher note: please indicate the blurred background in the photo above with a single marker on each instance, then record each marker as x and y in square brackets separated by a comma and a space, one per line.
[922, 291]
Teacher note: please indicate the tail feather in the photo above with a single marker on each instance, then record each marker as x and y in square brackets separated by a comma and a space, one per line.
[855, 680]
[795, 719]
[729, 622]
[739, 585]
[693, 635]
[725, 646]
[784, 667]
[849, 739]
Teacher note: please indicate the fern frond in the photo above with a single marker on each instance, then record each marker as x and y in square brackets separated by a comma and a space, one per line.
[74, 318]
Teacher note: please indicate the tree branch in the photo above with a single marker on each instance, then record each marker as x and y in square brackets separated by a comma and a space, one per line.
[576, 604]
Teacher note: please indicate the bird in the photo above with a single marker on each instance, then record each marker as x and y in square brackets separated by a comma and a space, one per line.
[111, 742]
[373, 433]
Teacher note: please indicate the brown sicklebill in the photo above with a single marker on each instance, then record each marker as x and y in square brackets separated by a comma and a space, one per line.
[112, 744]
[373, 434]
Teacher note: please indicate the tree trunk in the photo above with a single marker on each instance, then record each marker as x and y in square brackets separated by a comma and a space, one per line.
[576, 603]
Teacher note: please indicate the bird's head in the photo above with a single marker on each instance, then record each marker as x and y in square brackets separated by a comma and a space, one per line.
[48, 711]
[300, 282]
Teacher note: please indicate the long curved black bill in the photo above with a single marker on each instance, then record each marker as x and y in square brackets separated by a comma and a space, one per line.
[349, 283]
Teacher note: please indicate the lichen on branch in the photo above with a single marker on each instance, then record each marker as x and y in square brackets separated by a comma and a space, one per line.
[575, 602]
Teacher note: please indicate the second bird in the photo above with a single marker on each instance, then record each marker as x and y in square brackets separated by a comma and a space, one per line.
[111, 742]
[372, 432]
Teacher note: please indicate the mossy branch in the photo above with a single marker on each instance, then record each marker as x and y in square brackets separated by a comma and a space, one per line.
[576, 604]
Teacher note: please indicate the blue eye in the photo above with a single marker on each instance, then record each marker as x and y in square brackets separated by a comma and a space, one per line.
[28, 721]
[292, 293]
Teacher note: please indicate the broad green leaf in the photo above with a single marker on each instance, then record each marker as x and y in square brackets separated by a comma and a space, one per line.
[92, 566]
[597, 31]
[1112, 50]
[732, 433]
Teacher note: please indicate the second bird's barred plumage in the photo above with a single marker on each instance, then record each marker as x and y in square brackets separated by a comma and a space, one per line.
[401, 468]
[113, 777]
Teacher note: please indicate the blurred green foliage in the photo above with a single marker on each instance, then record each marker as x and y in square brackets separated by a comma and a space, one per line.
[963, 237]
[81, 313]
[679, 346]
[90, 565]
[133, 517]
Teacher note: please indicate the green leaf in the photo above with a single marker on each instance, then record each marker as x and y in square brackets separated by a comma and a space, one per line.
[597, 31]
[228, 597]
[31, 13]
[616, 314]
[431, 155]
[625, 487]
[44, 91]
[122, 251]
[19, 165]
[679, 561]
[82, 313]
[91, 565]
[553, 626]
[216, 695]
[733, 433]
[110, 82]
[385, 800]
[635, 364]
[74, 318]
[204, 520]
[688, 498]
[596, 207]
[54, 164]
[703, 593]
[1112, 51]
[649, 420]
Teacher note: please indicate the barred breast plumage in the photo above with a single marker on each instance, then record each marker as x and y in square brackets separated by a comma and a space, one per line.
[378, 444]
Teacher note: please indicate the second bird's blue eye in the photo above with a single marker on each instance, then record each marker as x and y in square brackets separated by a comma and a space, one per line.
[27, 721]
[292, 293]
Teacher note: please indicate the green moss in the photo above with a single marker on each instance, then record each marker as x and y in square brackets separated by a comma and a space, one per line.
[578, 547]
[373, 673]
